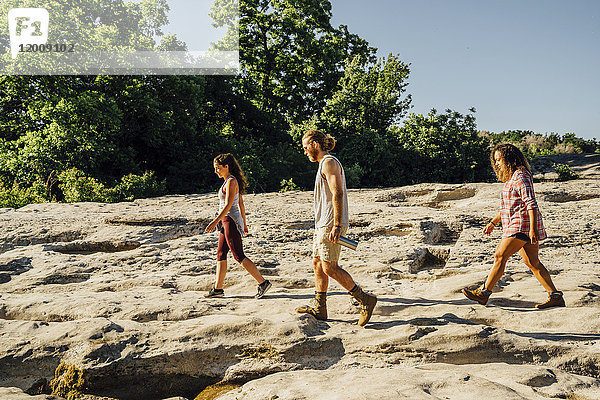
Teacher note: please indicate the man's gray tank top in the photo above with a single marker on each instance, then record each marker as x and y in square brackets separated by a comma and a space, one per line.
[323, 198]
[234, 211]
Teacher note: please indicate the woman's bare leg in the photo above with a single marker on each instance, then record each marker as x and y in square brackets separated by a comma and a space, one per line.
[530, 255]
[252, 270]
[221, 271]
[506, 248]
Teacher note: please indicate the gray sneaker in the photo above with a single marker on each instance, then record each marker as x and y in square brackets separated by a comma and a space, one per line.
[215, 293]
[262, 289]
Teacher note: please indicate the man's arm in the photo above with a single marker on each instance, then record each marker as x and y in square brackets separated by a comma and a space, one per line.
[333, 174]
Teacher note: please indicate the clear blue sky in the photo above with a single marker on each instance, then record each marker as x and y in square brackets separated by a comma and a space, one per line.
[523, 64]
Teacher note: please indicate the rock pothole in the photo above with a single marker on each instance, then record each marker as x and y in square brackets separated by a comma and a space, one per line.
[162, 230]
[451, 194]
[61, 278]
[302, 225]
[150, 221]
[10, 243]
[440, 232]
[565, 197]
[398, 196]
[187, 374]
[90, 247]
[546, 378]
[444, 195]
[429, 258]
[14, 267]
[399, 229]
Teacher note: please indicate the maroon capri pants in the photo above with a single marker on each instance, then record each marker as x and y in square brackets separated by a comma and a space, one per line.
[230, 239]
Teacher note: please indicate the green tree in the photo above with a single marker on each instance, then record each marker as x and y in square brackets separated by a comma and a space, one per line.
[368, 96]
[368, 100]
[291, 56]
[92, 26]
[444, 148]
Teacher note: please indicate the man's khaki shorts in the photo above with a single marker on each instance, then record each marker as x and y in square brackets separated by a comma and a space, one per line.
[324, 248]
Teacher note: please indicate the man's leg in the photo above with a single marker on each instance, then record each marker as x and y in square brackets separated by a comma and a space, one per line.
[367, 301]
[329, 263]
[319, 310]
[321, 278]
[333, 270]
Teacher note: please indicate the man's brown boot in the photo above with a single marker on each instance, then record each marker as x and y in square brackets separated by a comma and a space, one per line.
[320, 308]
[555, 299]
[478, 295]
[367, 304]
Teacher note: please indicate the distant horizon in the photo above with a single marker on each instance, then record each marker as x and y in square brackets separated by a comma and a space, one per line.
[529, 66]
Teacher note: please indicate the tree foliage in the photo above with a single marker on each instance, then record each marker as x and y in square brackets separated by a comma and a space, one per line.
[369, 98]
[91, 26]
[291, 55]
[444, 147]
[535, 145]
[115, 138]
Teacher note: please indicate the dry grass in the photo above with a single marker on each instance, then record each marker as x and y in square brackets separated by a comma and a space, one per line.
[213, 391]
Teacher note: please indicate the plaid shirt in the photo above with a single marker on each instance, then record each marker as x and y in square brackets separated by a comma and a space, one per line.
[517, 198]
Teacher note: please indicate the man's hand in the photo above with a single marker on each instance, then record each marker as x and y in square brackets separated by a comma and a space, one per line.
[334, 234]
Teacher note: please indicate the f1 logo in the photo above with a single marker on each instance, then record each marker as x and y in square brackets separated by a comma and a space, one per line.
[27, 26]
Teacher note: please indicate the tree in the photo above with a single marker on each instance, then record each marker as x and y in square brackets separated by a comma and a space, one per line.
[368, 100]
[91, 26]
[291, 56]
[444, 148]
[368, 96]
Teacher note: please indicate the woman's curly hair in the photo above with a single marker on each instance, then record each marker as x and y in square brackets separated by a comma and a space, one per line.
[512, 160]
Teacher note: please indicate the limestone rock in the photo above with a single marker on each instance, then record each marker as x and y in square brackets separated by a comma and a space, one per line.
[118, 290]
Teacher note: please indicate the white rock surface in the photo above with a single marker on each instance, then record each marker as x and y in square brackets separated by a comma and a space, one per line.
[428, 381]
[117, 289]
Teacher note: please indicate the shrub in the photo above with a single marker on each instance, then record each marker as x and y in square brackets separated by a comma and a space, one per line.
[353, 175]
[565, 173]
[255, 172]
[16, 196]
[564, 148]
[288, 185]
[68, 382]
[443, 148]
[77, 187]
[137, 186]
[535, 144]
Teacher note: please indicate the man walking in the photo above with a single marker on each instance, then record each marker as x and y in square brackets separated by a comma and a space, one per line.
[331, 221]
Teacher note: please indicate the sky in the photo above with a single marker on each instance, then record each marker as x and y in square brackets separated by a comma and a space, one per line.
[523, 64]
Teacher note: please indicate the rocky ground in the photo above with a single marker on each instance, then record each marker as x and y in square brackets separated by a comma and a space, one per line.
[117, 291]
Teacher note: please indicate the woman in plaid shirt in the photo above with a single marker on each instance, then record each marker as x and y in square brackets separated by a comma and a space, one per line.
[522, 226]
